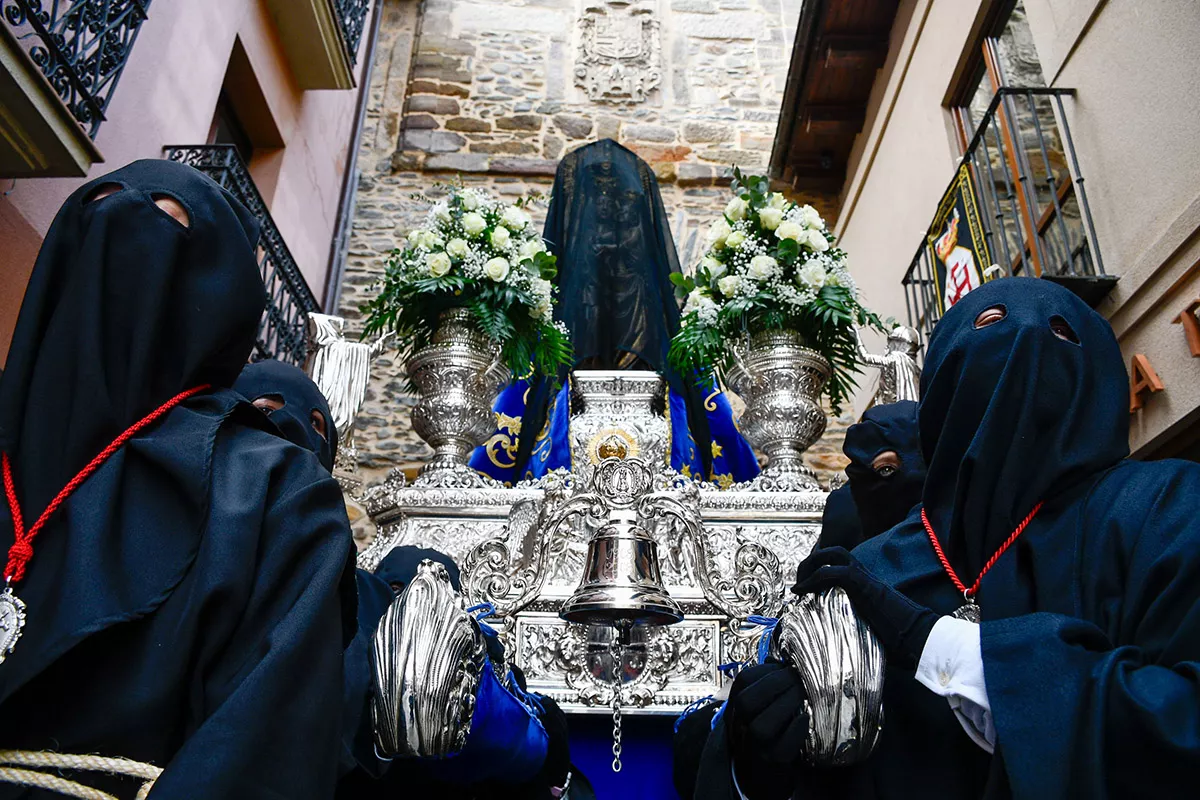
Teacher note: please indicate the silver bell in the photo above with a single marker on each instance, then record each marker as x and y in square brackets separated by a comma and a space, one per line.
[622, 583]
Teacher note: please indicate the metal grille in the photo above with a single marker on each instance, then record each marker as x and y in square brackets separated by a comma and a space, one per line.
[281, 333]
[353, 16]
[1030, 195]
[80, 45]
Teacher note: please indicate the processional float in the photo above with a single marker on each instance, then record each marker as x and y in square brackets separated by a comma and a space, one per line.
[622, 585]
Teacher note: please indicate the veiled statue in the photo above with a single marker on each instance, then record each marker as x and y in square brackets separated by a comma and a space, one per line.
[607, 225]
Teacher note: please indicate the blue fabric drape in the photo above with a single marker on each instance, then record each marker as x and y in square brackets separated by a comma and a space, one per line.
[732, 457]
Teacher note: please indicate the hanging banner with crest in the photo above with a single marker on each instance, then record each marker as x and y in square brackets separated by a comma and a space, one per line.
[956, 242]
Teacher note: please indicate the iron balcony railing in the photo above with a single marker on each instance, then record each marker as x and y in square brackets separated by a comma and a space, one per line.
[281, 334]
[1029, 191]
[352, 14]
[81, 46]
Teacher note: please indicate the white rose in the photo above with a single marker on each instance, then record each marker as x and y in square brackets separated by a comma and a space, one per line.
[789, 230]
[470, 201]
[812, 275]
[810, 218]
[817, 241]
[514, 218]
[715, 268]
[735, 239]
[717, 233]
[777, 201]
[438, 263]
[425, 238]
[441, 212]
[762, 267]
[729, 285]
[770, 218]
[500, 237]
[531, 248]
[496, 269]
[458, 248]
[735, 209]
[473, 224]
[697, 300]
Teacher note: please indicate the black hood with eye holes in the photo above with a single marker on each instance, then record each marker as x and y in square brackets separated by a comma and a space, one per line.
[125, 308]
[1011, 414]
[884, 500]
[300, 398]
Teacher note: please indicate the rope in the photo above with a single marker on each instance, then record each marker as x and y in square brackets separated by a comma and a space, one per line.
[11, 762]
[22, 548]
[937, 547]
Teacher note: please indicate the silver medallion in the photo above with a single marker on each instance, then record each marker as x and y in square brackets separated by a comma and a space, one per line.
[968, 611]
[12, 620]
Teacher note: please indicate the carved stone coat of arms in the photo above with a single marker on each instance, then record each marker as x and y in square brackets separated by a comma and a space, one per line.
[620, 53]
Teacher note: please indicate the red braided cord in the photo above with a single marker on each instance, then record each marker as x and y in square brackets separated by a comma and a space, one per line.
[937, 548]
[22, 548]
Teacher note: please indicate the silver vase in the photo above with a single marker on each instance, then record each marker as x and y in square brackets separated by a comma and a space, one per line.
[780, 380]
[458, 374]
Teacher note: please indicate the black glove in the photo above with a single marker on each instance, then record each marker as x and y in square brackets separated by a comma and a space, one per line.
[901, 625]
[767, 724]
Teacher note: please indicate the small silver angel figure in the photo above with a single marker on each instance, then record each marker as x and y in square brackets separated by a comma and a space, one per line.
[341, 369]
[899, 374]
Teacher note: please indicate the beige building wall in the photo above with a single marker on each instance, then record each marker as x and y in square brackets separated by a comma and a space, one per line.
[167, 95]
[904, 157]
[1133, 121]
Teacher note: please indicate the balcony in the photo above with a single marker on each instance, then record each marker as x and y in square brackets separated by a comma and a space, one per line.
[1019, 183]
[281, 333]
[321, 39]
[60, 61]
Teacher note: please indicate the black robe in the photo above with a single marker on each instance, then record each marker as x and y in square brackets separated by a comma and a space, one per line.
[1091, 620]
[186, 604]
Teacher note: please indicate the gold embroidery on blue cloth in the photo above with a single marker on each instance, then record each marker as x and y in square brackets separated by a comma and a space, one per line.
[503, 443]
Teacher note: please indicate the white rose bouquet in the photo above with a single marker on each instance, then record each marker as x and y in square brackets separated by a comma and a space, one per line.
[482, 254]
[771, 264]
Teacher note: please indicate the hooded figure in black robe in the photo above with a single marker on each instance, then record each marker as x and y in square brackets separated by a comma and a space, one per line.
[1090, 633]
[607, 226]
[886, 473]
[294, 404]
[185, 605]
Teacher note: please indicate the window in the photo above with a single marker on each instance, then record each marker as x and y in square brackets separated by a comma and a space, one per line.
[228, 129]
[243, 120]
[1013, 143]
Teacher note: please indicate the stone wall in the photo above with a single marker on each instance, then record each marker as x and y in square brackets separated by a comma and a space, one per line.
[495, 91]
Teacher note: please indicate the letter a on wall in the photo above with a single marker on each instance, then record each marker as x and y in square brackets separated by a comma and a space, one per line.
[1142, 378]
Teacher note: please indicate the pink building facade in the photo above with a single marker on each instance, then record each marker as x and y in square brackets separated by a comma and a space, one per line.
[277, 81]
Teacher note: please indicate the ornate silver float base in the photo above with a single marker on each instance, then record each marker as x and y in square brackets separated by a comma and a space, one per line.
[673, 666]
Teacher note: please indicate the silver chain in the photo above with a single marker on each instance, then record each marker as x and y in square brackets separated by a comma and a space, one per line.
[618, 661]
[616, 714]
